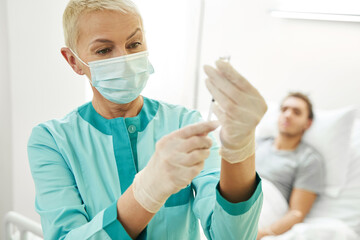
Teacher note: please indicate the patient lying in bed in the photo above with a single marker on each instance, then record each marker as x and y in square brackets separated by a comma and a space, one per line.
[289, 166]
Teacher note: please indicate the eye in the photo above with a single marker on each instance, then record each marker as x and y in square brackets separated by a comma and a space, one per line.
[134, 45]
[103, 51]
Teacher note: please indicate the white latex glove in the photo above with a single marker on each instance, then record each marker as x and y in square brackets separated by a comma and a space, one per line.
[179, 157]
[239, 108]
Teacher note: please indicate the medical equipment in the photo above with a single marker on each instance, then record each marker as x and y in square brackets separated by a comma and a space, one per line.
[225, 58]
[210, 109]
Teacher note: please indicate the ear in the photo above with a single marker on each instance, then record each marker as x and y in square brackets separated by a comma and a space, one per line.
[72, 61]
[309, 123]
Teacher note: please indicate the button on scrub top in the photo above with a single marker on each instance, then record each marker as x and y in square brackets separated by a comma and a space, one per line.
[82, 163]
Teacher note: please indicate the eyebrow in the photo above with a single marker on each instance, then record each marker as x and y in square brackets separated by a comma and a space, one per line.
[294, 108]
[103, 40]
[138, 29]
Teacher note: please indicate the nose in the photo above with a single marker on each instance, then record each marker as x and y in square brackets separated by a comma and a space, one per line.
[121, 51]
[288, 113]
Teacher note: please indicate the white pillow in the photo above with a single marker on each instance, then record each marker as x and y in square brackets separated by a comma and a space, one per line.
[329, 135]
[346, 206]
[353, 173]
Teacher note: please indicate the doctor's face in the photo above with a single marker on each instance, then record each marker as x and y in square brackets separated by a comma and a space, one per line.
[108, 34]
[294, 117]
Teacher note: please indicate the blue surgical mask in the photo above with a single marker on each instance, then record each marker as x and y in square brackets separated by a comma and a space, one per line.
[120, 79]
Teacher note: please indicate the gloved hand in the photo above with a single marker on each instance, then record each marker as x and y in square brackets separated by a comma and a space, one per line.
[239, 108]
[179, 157]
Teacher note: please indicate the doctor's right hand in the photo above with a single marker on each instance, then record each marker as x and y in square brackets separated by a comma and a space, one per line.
[179, 157]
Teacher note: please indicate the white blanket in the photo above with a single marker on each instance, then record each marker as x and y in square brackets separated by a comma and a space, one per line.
[275, 206]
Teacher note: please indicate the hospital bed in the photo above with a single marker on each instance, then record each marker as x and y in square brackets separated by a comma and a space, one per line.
[335, 214]
[19, 227]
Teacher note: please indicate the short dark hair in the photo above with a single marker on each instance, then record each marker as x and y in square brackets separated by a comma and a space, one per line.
[305, 98]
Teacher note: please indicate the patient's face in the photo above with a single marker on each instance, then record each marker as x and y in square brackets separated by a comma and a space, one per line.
[294, 117]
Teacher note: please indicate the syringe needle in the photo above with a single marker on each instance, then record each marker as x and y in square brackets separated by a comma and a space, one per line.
[225, 58]
[210, 110]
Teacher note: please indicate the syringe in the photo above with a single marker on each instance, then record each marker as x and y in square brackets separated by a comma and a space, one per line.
[226, 59]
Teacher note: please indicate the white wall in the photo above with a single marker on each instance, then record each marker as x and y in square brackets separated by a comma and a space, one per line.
[351, 7]
[171, 29]
[43, 86]
[277, 55]
[5, 121]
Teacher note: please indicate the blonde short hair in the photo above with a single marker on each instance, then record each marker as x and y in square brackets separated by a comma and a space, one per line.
[76, 8]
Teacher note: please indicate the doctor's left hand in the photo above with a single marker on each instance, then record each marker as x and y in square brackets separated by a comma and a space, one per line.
[239, 108]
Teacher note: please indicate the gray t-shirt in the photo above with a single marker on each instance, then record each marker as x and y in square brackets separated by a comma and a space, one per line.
[300, 168]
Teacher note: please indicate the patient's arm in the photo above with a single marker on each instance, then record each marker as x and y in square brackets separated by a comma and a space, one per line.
[299, 206]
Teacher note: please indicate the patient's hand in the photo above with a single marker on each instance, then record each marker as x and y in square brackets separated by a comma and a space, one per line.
[262, 233]
[300, 204]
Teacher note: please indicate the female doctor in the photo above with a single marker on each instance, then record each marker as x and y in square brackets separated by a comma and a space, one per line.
[124, 166]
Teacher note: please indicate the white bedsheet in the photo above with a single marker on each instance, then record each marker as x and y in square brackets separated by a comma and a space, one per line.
[318, 228]
[275, 206]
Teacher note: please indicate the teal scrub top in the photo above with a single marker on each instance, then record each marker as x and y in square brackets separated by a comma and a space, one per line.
[82, 163]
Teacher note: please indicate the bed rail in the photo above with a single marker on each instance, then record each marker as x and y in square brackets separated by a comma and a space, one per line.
[23, 225]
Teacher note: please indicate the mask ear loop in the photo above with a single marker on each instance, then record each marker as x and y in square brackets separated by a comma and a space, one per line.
[81, 62]
[79, 58]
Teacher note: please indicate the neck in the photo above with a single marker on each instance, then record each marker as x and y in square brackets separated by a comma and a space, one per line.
[111, 110]
[287, 142]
